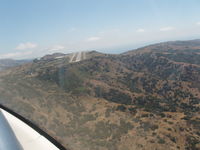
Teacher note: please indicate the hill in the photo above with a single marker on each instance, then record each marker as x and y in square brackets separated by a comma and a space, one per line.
[147, 98]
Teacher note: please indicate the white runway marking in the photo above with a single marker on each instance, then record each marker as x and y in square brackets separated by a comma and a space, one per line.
[77, 56]
[73, 56]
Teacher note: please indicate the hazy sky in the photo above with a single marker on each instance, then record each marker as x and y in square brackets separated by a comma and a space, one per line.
[32, 28]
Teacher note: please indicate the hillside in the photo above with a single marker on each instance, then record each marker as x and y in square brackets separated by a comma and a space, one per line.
[145, 99]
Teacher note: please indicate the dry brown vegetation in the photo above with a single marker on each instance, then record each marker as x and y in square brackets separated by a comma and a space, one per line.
[147, 99]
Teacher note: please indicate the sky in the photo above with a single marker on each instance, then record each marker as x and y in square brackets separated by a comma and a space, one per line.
[33, 28]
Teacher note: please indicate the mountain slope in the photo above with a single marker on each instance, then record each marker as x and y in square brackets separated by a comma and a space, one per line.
[143, 99]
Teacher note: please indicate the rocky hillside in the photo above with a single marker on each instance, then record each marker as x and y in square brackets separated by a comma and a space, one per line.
[145, 99]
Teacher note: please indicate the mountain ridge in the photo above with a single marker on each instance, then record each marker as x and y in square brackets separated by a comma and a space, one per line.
[138, 100]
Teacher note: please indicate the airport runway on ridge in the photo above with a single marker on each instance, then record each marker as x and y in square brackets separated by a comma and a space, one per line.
[77, 56]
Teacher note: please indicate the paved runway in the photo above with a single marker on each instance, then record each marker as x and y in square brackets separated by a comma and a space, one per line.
[78, 56]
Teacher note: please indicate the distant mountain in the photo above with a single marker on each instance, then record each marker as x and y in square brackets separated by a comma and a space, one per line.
[171, 45]
[147, 98]
[7, 63]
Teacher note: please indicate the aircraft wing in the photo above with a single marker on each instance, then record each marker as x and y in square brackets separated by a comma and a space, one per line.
[17, 135]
